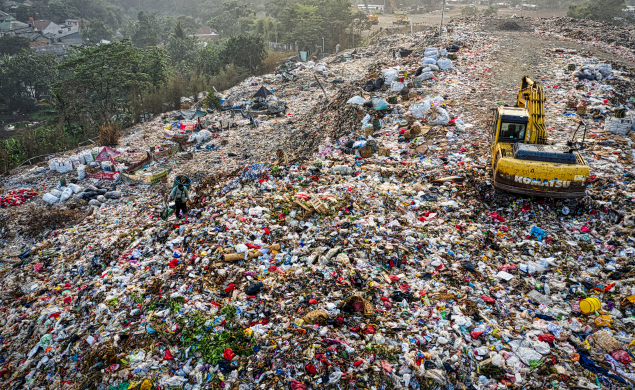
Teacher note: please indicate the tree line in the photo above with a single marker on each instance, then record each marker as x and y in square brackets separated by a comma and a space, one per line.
[153, 60]
[305, 22]
[116, 84]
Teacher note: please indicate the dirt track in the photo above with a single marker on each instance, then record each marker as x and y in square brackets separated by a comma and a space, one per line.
[525, 53]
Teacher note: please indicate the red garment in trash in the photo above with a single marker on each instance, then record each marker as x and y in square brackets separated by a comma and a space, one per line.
[621, 356]
[369, 330]
[295, 385]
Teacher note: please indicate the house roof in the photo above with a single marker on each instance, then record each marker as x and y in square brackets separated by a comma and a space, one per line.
[41, 24]
[38, 44]
[73, 35]
[58, 50]
[11, 25]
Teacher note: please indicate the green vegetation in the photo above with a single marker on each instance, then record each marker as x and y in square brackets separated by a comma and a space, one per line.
[490, 11]
[11, 45]
[153, 61]
[195, 334]
[603, 11]
[469, 11]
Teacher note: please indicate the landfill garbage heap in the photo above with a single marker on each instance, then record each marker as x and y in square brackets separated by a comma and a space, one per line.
[355, 243]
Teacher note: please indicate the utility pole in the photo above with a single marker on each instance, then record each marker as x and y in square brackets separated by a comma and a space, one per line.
[442, 16]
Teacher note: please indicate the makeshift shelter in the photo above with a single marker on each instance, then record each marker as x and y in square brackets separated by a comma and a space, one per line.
[188, 114]
[107, 154]
[263, 93]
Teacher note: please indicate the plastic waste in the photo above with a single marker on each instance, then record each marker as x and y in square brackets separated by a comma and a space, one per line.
[50, 198]
[356, 100]
[66, 194]
[380, 104]
[444, 64]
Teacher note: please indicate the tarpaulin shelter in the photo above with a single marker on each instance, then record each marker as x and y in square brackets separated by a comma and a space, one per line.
[107, 154]
[263, 93]
[188, 115]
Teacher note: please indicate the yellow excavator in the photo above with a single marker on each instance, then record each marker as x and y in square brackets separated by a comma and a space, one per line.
[372, 18]
[402, 16]
[522, 161]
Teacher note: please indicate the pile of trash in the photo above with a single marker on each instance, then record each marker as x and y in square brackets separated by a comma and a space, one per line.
[355, 242]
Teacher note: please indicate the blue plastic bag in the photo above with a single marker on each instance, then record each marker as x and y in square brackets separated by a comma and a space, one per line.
[538, 233]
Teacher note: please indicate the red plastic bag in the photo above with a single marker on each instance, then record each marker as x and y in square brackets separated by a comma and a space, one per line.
[547, 338]
[168, 355]
[229, 354]
[488, 299]
[310, 368]
[475, 334]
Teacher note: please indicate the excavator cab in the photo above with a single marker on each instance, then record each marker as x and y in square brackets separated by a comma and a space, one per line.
[522, 161]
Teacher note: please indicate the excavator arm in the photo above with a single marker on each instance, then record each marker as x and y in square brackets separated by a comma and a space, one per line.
[532, 97]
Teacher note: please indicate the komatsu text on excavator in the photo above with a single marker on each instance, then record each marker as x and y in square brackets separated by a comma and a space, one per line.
[522, 161]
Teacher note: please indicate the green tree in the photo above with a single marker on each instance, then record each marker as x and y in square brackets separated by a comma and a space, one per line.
[603, 11]
[245, 51]
[182, 48]
[303, 24]
[234, 18]
[490, 11]
[23, 13]
[96, 31]
[100, 79]
[156, 64]
[25, 77]
[145, 32]
[208, 60]
[11, 45]
[275, 8]
[267, 28]
[336, 17]
[469, 11]
[360, 23]
[103, 10]
[212, 101]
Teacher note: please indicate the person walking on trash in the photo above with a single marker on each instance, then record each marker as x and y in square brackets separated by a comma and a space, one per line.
[180, 195]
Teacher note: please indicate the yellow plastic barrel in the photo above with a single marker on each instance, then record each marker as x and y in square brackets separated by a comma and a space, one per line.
[590, 305]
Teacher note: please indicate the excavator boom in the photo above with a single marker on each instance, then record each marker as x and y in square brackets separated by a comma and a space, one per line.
[531, 96]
